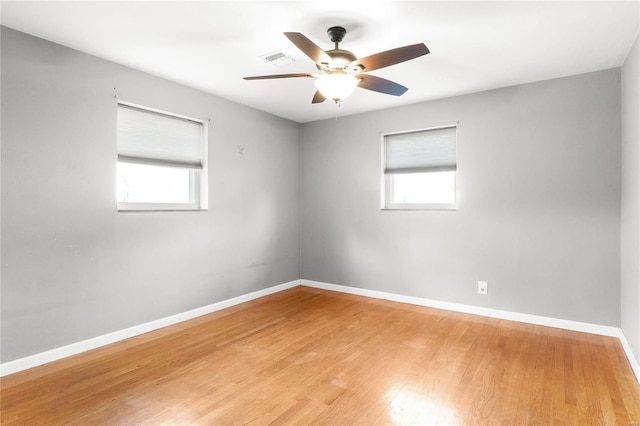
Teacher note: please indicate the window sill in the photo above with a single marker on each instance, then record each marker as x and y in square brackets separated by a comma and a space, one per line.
[158, 207]
[423, 207]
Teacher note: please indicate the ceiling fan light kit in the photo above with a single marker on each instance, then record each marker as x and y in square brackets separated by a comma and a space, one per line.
[341, 71]
[336, 85]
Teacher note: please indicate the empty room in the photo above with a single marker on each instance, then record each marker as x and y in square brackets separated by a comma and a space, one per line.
[303, 212]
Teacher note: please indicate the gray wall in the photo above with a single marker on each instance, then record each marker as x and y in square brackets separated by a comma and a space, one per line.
[630, 226]
[72, 266]
[539, 202]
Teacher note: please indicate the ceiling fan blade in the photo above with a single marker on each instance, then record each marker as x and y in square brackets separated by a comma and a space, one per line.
[391, 57]
[318, 98]
[382, 85]
[264, 77]
[309, 48]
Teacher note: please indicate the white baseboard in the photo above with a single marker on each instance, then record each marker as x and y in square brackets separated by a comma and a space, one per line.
[635, 366]
[468, 309]
[584, 327]
[96, 342]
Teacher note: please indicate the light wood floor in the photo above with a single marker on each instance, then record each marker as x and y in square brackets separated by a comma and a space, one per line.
[307, 356]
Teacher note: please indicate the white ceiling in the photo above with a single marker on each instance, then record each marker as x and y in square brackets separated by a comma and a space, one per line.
[211, 45]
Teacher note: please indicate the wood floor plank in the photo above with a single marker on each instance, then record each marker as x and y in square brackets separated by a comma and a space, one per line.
[310, 356]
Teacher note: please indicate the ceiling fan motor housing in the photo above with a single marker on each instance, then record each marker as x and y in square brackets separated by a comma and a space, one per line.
[341, 60]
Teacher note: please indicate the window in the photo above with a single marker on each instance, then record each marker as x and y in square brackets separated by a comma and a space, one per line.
[419, 169]
[161, 160]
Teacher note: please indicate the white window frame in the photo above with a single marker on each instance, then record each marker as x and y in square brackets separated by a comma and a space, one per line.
[198, 185]
[386, 180]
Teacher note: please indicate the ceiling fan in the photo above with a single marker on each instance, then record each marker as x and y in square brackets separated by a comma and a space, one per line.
[341, 71]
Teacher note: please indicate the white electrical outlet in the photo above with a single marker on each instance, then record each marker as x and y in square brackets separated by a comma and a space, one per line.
[483, 287]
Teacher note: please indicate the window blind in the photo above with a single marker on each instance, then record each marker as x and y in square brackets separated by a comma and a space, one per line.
[419, 152]
[149, 137]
